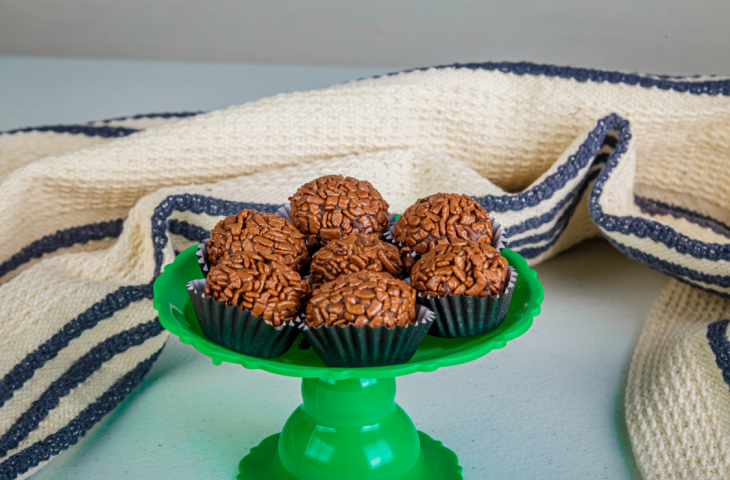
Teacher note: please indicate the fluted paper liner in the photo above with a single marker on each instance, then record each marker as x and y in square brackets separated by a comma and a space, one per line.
[365, 346]
[499, 240]
[459, 316]
[237, 329]
[202, 254]
[284, 212]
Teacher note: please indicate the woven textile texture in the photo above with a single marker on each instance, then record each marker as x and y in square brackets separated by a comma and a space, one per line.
[90, 214]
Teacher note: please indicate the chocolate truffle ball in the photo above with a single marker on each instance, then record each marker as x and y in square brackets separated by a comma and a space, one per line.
[267, 289]
[354, 253]
[474, 269]
[363, 298]
[273, 237]
[333, 206]
[441, 219]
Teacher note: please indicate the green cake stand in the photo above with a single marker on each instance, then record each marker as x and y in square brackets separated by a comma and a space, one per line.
[349, 426]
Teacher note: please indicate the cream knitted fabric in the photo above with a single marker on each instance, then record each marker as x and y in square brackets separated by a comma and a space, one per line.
[677, 403]
[557, 155]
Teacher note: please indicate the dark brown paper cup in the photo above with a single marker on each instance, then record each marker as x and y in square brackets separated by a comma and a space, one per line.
[237, 329]
[459, 316]
[352, 346]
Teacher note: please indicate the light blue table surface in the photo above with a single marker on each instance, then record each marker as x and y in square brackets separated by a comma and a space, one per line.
[545, 407]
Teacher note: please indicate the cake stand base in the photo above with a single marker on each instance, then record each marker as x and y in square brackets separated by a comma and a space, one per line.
[440, 463]
[349, 429]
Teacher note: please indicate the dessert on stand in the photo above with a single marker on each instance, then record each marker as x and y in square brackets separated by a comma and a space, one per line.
[334, 290]
[348, 425]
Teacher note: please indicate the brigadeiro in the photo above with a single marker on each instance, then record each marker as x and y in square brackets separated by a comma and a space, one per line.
[365, 319]
[354, 253]
[249, 304]
[334, 206]
[267, 234]
[442, 219]
[468, 287]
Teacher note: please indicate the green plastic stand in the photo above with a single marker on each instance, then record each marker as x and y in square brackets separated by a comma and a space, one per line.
[349, 426]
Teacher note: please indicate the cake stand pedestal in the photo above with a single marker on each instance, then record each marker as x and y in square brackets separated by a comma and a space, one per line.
[349, 429]
[348, 426]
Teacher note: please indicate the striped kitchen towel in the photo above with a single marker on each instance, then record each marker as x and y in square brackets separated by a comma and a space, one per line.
[90, 214]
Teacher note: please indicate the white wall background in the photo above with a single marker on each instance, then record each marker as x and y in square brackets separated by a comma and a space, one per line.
[652, 36]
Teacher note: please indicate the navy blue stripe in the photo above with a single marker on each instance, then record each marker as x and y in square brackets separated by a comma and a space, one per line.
[535, 222]
[679, 278]
[104, 131]
[700, 287]
[88, 130]
[673, 269]
[717, 337]
[152, 115]
[611, 141]
[654, 207]
[77, 374]
[662, 82]
[196, 204]
[101, 310]
[188, 230]
[554, 182]
[57, 442]
[640, 227]
[557, 230]
[63, 239]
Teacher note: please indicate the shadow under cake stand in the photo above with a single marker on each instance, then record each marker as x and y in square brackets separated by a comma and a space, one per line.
[349, 426]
